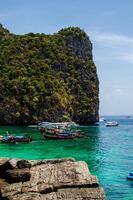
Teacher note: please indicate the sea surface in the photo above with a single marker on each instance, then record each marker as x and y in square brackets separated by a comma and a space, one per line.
[107, 150]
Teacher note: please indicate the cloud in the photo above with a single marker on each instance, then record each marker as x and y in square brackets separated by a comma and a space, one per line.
[111, 46]
[15, 13]
[113, 54]
[4, 15]
[112, 39]
[127, 57]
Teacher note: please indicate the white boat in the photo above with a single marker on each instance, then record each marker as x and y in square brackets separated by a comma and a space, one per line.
[112, 123]
[102, 119]
[56, 125]
[32, 126]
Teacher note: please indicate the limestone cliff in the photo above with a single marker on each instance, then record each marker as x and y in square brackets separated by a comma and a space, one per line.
[47, 77]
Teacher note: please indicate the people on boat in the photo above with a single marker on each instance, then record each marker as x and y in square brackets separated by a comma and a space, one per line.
[9, 135]
[1, 137]
[15, 139]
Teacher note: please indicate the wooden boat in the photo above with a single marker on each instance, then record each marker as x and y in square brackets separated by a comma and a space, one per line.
[55, 132]
[63, 135]
[59, 136]
[16, 139]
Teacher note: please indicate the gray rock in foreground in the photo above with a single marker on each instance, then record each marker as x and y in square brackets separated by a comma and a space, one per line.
[63, 179]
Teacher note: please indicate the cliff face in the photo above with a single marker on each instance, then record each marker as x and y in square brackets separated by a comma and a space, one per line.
[47, 77]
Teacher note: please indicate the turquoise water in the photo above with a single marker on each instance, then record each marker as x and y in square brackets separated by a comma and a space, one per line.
[107, 150]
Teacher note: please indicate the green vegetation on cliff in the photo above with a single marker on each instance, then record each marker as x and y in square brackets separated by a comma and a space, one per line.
[47, 77]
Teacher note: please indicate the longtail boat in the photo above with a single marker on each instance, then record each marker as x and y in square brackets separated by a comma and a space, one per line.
[59, 136]
[16, 139]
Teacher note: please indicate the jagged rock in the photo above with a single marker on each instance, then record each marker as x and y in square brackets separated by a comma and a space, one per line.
[65, 174]
[7, 164]
[17, 175]
[65, 194]
[80, 46]
[3, 183]
[13, 163]
[11, 190]
[3, 161]
[4, 165]
[50, 161]
[63, 179]
[23, 164]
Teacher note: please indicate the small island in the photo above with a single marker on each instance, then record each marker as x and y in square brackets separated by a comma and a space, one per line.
[47, 78]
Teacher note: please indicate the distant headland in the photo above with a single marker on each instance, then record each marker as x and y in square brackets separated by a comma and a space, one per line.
[47, 78]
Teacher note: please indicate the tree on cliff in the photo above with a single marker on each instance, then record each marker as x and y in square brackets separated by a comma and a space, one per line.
[47, 77]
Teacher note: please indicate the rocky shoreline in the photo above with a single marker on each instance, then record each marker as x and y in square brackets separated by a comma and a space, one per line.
[64, 179]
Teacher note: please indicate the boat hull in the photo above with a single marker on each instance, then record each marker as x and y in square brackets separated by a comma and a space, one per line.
[111, 125]
[14, 140]
[130, 177]
[58, 137]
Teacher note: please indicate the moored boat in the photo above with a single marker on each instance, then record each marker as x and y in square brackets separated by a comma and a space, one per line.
[130, 176]
[56, 124]
[59, 136]
[111, 123]
[16, 139]
[102, 119]
[64, 130]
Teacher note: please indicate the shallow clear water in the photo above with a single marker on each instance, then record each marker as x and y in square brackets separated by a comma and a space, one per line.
[107, 150]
